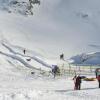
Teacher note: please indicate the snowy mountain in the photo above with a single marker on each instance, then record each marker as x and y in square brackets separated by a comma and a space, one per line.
[87, 59]
[56, 26]
[48, 33]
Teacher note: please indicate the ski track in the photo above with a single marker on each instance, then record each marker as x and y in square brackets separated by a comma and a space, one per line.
[19, 59]
[34, 58]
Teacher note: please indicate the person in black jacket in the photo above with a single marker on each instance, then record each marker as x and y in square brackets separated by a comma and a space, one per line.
[62, 56]
[24, 51]
[78, 83]
[55, 70]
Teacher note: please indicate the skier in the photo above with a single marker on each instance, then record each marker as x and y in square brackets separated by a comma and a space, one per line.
[24, 51]
[62, 56]
[98, 78]
[78, 82]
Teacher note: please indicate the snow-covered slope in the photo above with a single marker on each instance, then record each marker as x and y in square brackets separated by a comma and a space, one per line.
[49, 33]
[61, 89]
[56, 26]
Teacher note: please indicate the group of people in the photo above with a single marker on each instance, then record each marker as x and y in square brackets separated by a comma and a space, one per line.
[78, 80]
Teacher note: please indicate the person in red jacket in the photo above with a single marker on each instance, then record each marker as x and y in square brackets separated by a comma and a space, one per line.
[77, 82]
[98, 78]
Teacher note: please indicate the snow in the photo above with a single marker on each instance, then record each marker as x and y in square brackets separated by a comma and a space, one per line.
[56, 27]
[17, 82]
[52, 32]
[44, 89]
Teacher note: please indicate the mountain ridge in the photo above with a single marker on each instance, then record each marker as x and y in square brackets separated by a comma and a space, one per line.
[87, 58]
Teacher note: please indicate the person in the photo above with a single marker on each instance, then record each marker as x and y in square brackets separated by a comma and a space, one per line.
[62, 56]
[96, 72]
[78, 82]
[55, 69]
[24, 51]
[75, 85]
[98, 78]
